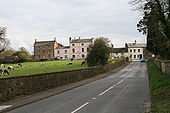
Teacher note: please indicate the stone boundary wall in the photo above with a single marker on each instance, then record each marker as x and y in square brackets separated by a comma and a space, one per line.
[163, 65]
[12, 87]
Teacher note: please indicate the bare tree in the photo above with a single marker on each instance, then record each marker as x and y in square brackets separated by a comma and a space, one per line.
[4, 42]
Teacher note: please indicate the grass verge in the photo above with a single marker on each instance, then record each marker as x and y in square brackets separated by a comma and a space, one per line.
[159, 88]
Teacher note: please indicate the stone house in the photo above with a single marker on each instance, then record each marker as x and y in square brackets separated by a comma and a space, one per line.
[119, 52]
[77, 49]
[45, 49]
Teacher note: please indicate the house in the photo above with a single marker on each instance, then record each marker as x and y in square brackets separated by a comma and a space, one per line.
[134, 51]
[77, 49]
[45, 49]
[119, 52]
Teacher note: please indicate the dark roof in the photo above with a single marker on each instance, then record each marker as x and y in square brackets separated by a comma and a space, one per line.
[81, 40]
[66, 46]
[135, 45]
[119, 50]
[44, 43]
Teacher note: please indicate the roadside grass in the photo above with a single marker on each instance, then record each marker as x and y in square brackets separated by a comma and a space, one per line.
[43, 67]
[160, 89]
[115, 60]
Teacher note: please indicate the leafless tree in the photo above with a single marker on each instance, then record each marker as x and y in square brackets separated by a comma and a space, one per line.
[4, 42]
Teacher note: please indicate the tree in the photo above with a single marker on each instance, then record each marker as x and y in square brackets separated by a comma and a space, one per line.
[99, 52]
[155, 24]
[23, 55]
[4, 43]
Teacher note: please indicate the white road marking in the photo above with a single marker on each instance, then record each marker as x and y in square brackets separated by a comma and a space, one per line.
[116, 84]
[94, 98]
[80, 107]
[4, 107]
[105, 91]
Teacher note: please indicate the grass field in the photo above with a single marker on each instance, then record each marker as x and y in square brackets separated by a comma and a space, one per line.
[160, 89]
[43, 67]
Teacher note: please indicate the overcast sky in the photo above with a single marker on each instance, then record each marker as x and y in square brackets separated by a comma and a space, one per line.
[45, 19]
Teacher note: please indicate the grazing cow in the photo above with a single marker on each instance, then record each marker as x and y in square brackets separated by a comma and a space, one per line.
[69, 63]
[4, 71]
[71, 59]
[83, 63]
[19, 65]
[10, 68]
[1, 71]
[2, 65]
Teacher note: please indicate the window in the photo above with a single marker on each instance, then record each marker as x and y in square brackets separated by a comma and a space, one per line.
[87, 49]
[138, 50]
[65, 56]
[134, 50]
[43, 51]
[49, 56]
[82, 44]
[73, 56]
[73, 50]
[83, 56]
[121, 53]
[73, 44]
[49, 51]
[116, 53]
[58, 52]
[134, 56]
[130, 50]
[65, 51]
[82, 49]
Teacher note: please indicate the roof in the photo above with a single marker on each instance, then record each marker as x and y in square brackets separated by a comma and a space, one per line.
[81, 40]
[119, 50]
[135, 45]
[44, 43]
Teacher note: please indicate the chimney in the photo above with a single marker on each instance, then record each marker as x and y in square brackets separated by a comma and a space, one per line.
[112, 45]
[135, 41]
[70, 39]
[55, 39]
[79, 37]
[35, 40]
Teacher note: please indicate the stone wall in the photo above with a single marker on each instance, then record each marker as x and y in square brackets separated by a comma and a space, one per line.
[29, 84]
[163, 65]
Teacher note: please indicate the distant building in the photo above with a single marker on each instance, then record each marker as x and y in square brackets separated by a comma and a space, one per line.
[77, 49]
[134, 51]
[119, 52]
[45, 49]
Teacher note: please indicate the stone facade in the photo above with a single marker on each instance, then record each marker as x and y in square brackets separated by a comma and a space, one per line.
[45, 49]
[77, 49]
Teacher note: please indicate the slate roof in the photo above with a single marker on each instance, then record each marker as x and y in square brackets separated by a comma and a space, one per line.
[119, 50]
[135, 45]
[44, 43]
[81, 40]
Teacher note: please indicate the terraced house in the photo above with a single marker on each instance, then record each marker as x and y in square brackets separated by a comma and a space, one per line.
[77, 49]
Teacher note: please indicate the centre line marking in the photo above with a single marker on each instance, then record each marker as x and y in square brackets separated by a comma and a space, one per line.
[105, 91]
[80, 107]
[4, 107]
[115, 84]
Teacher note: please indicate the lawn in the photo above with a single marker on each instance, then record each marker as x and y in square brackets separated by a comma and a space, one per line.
[160, 89]
[43, 67]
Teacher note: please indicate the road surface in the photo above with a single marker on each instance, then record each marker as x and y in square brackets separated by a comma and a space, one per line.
[123, 92]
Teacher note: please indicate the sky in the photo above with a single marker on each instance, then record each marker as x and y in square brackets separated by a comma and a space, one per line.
[27, 20]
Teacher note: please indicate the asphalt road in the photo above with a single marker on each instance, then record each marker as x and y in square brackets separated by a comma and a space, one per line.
[123, 92]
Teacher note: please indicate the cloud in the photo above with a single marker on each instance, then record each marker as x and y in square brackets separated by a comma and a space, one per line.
[46, 19]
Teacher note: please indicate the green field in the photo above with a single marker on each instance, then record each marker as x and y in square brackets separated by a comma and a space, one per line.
[159, 88]
[43, 67]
